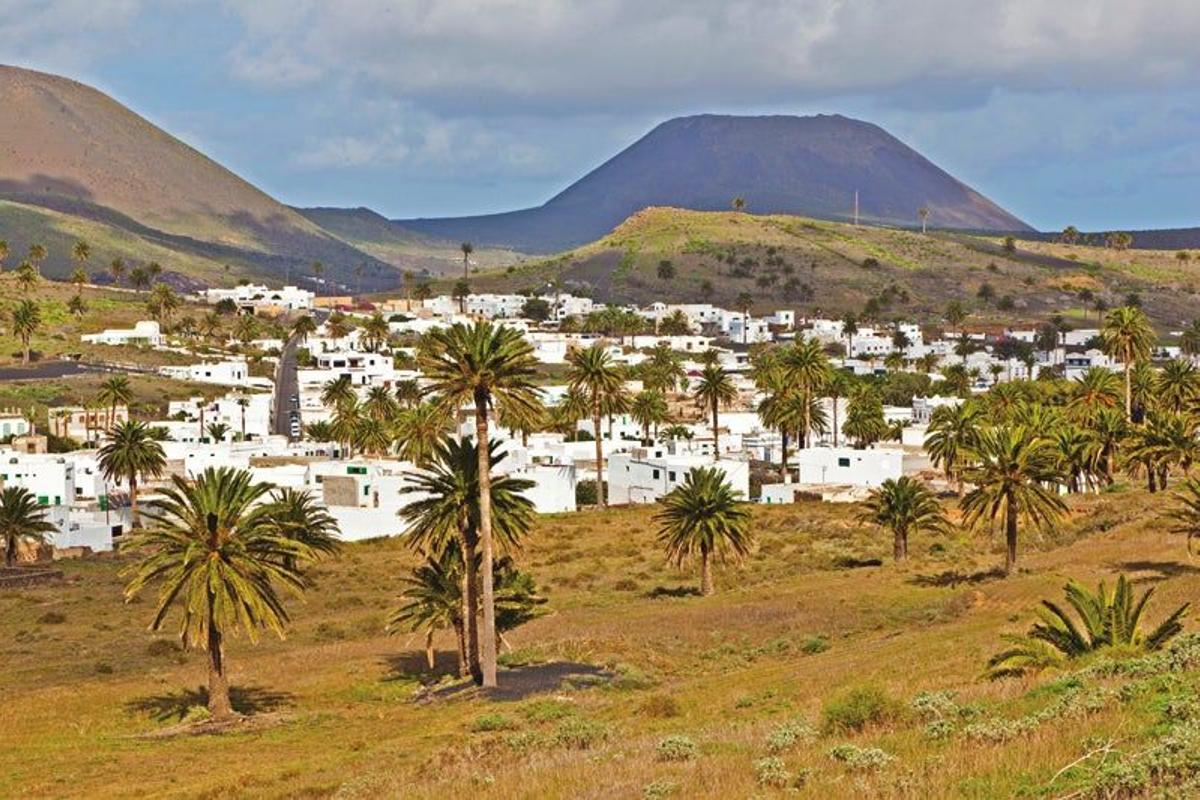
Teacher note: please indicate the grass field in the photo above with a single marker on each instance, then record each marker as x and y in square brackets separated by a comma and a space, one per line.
[739, 675]
[829, 268]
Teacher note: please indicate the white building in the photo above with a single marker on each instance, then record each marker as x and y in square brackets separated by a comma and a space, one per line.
[647, 473]
[13, 423]
[231, 372]
[253, 297]
[85, 424]
[144, 333]
[845, 466]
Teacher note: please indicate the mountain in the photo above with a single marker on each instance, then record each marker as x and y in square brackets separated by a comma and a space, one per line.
[378, 236]
[809, 166]
[70, 149]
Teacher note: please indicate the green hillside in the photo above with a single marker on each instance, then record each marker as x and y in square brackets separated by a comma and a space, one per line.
[830, 268]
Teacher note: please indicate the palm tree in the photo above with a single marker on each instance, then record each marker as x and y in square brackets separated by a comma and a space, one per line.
[217, 431]
[649, 408]
[419, 431]
[163, 302]
[245, 329]
[714, 390]
[903, 506]
[485, 365]
[337, 392]
[849, 328]
[1102, 620]
[432, 600]
[220, 554]
[27, 276]
[303, 327]
[952, 431]
[744, 302]
[1012, 467]
[3, 252]
[592, 373]
[376, 333]
[1128, 337]
[76, 306]
[210, 325]
[115, 391]
[372, 435]
[467, 249]
[140, 278]
[409, 392]
[26, 319]
[37, 254]
[738, 203]
[243, 403]
[1092, 392]
[1189, 340]
[702, 516]
[923, 213]
[806, 368]
[1177, 386]
[1187, 513]
[116, 268]
[380, 404]
[338, 326]
[81, 251]
[297, 516]
[449, 514]
[132, 453]
[21, 519]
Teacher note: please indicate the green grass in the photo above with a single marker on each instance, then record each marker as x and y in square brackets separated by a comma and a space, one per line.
[735, 675]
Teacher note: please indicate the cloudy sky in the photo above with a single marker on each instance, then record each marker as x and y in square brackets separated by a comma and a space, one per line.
[1063, 111]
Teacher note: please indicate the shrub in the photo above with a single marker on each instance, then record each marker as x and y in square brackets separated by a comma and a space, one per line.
[677, 748]
[196, 713]
[162, 647]
[630, 678]
[328, 632]
[789, 734]
[939, 729]
[579, 734]
[52, 618]
[861, 758]
[856, 708]
[547, 710]
[935, 705]
[659, 706]
[812, 645]
[771, 771]
[491, 722]
[656, 790]
[103, 668]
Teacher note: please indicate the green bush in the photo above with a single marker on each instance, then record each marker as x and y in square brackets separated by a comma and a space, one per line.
[52, 618]
[659, 706]
[579, 734]
[772, 772]
[788, 735]
[861, 758]
[547, 710]
[856, 708]
[677, 748]
[812, 645]
[491, 722]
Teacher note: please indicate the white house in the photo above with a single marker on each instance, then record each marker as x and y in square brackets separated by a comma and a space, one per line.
[845, 466]
[145, 332]
[252, 297]
[13, 423]
[231, 372]
[645, 474]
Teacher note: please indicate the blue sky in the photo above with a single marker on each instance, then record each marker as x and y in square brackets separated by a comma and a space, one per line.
[1082, 112]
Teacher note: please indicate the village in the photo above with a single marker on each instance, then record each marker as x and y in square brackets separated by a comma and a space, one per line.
[652, 433]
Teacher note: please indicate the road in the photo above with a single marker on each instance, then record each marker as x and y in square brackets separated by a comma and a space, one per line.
[286, 387]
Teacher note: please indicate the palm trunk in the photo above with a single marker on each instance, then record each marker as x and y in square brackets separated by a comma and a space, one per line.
[1010, 536]
[10, 552]
[600, 498]
[835, 421]
[1151, 482]
[807, 420]
[716, 436]
[470, 609]
[783, 467]
[487, 637]
[461, 639]
[1128, 393]
[219, 705]
[900, 545]
[430, 659]
[706, 577]
[135, 517]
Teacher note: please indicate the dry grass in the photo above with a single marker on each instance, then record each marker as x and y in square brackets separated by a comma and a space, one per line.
[784, 633]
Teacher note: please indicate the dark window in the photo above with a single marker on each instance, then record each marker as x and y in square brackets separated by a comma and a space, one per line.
[671, 476]
[843, 462]
[656, 473]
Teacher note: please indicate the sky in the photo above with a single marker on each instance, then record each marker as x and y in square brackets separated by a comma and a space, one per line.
[1083, 112]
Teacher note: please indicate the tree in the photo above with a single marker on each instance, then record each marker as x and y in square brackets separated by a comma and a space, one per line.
[666, 270]
[743, 303]
[163, 302]
[849, 328]
[1092, 392]
[139, 277]
[738, 203]
[663, 371]
[1128, 337]
[923, 213]
[37, 254]
[217, 431]
[952, 433]
[115, 391]
[460, 292]
[536, 309]
[1189, 340]
[485, 365]
[1187, 513]
[155, 270]
[116, 268]
[467, 249]
[376, 333]
[702, 517]
[1177, 386]
[449, 513]
[592, 372]
[76, 306]
[1011, 468]
[303, 327]
[3, 252]
[243, 403]
[27, 276]
[865, 423]
[21, 520]
[26, 319]
[903, 506]
[419, 430]
[1102, 620]
[714, 391]
[806, 369]
[338, 326]
[81, 251]
[131, 454]
[338, 392]
[245, 329]
[221, 555]
[649, 409]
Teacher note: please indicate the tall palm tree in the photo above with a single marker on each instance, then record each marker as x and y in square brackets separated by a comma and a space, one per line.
[592, 372]
[116, 268]
[408, 392]
[217, 431]
[1093, 391]
[432, 600]
[219, 554]
[903, 506]
[849, 329]
[76, 306]
[1011, 469]
[132, 454]
[27, 276]
[1177, 386]
[649, 409]
[37, 254]
[380, 404]
[952, 432]
[376, 333]
[115, 391]
[449, 514]
[419, 431]
[714, 391]
[3, 252]
[744, 303]
[485, 365]
[702, 516]
[806, 368]
[303, 327]
[1128, 337]
[81, 251]
[337, 392]
[1189, 340]
[296, 515]
[467, 249]
[26, 318]
[21, 520]
[1187, 513]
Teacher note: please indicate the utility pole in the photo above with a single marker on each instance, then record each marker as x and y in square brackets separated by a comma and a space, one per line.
[856, 207]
